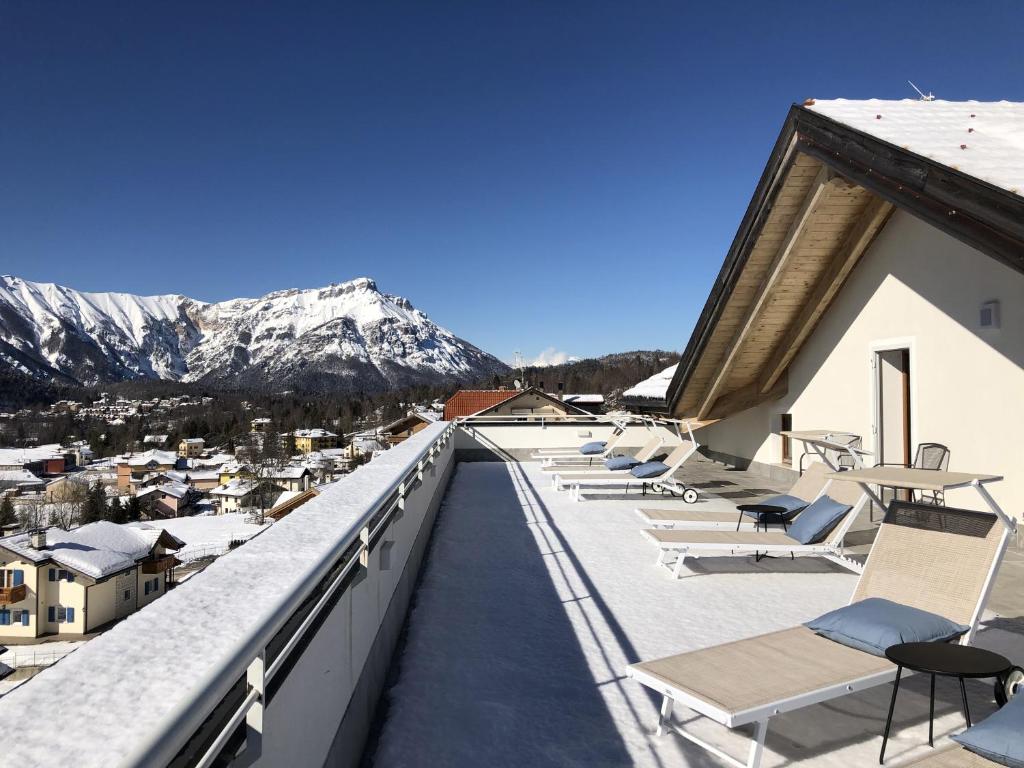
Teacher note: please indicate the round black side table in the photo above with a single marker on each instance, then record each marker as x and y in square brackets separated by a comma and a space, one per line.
[762, 513]
[945, 660]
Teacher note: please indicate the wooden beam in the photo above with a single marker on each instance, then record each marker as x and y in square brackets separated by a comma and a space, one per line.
[747, 397]
[870, 223]
[818, 189]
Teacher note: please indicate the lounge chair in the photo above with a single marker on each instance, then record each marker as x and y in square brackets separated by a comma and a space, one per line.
[578, 457]
[694, 543]
[933, 558]
[573, 480]
[807, 487]
[647, 452]
[955, 757]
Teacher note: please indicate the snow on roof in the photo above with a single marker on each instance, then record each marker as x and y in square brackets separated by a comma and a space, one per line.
[10, 456]
[18, 476]
[97, 549]
[596, 399]
[236, 487]
[654, 388]
[193, 441]
[174, 489]
[289, 473]
[984, 139]
[314, 433]
[158, 457]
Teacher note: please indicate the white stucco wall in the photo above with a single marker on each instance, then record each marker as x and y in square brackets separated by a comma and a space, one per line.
[920, 288]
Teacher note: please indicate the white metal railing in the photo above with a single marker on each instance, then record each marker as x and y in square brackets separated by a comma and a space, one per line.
[258, 674]
[258, 614]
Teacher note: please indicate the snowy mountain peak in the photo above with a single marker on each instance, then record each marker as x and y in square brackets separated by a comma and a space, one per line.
[345, 335]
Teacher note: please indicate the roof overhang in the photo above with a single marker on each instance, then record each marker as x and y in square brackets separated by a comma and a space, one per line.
[825, 193]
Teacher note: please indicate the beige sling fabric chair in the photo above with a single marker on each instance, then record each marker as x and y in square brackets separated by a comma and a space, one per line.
[808, 487]
[933, 558]
[694, 543]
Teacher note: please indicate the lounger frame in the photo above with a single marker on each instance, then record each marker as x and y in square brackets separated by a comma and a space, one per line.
[760, 715]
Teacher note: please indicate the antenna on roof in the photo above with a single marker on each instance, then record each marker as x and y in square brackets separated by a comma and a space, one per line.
[929, 97]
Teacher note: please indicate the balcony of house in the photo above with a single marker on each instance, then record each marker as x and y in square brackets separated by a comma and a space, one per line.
[446, 605]
[159, 564]
[10, 595]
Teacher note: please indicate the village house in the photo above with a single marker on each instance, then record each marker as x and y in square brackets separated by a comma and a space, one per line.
[531, 401]
[74, 582]
[136, 467]
[238, 495]
[168, 499]
[407, 426]
[191, 447]
[309, 440]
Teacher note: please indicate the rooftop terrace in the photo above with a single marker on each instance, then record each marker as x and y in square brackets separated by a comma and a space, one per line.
[531, 606]
[461, 613]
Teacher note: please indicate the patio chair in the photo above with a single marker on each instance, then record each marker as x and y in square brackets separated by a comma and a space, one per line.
[578, 457]
[647, 452]
[545, 454]
[840, 459]
[663, 480]
[936, 559]
[807, 488]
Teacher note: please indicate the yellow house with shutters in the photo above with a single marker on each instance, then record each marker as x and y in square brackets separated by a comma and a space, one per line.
[72, 582]
[309, 440]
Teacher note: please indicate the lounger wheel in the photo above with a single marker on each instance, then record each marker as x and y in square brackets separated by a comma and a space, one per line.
[1009, 686]
[690, 495]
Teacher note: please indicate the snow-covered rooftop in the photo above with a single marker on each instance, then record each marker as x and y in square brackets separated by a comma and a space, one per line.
[984, 139]
[97, 549]
[654, 388]
[18, 477]
[154, 456]
[12, 456]
[317, 432]
[236, 488]
[173, 489]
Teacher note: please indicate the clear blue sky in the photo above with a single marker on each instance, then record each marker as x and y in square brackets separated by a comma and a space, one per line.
[518, 170]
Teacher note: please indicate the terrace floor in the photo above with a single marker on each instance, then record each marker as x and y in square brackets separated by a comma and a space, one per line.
[531, 606]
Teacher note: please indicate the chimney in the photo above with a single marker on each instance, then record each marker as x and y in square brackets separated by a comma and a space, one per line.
[542, 386]
[37, 538]
[561, 391]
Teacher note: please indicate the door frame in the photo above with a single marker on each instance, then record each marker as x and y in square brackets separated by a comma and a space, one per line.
[908, 343]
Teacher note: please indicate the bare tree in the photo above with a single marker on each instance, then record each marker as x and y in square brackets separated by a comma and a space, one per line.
[32, 513]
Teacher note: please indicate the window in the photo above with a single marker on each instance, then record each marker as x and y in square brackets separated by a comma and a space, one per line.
[62, 614]
[5, 616]
[71, 615]
[24, 618]
[156, 585]
[127, 595]
[53, 574]
[148, 586]
[19, 577]
[786, 425]
[51, 613]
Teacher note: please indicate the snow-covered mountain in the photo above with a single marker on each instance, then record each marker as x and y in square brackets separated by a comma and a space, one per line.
[345, 336]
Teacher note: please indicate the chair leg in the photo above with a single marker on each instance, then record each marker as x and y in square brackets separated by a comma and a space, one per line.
[757, 744]
[679, 564]
[664, 715]
[888, 719]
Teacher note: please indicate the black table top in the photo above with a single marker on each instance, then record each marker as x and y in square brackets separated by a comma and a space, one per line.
[762, 509]
[949, 659]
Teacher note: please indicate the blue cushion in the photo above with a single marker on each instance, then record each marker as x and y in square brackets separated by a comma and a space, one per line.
[589, 449]
[874, 624]
[791, 504]
[622, 462]
[817, 520]
[649, 469]
[998, 736]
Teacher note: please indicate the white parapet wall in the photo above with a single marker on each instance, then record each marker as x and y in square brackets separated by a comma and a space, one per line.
[276, 653]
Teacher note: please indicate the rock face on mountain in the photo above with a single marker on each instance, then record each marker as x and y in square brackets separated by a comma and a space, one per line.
[346, 336]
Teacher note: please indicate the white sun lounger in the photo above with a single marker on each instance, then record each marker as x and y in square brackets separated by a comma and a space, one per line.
[575, 480]
[809, 486]
[933, 558]
[647, 451]
[581, 460]
[691, 543]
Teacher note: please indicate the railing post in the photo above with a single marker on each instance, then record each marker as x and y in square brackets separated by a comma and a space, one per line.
[255, 676]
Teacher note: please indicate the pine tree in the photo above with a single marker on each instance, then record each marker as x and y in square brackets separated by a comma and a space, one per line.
[7, 516]
[115, 512]
[95, 507]
[133, 509]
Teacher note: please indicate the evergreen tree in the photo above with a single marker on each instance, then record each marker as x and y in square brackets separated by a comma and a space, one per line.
[133, 509]
[115, 512]
[95, 507]
[7, 516]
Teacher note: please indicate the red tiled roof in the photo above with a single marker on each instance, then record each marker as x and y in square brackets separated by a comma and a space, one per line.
[466, 402]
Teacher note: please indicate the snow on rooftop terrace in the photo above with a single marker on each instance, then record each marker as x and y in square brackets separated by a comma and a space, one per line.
[656, 387]
[155, 657]
[531, 606]
[979, 138]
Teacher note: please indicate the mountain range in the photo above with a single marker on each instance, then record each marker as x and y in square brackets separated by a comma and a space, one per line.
[346, 336]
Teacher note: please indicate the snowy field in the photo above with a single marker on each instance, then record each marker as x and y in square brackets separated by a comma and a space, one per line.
[531, 607]
[206, 535]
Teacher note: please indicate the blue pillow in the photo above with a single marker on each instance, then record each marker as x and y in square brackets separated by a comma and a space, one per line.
[817, 520]
[874, 624]
[622, 462]
[791, 504]
[998, 736]
[589, 449]
[649, 469]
